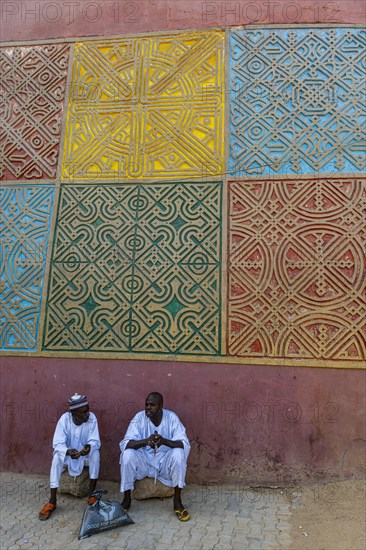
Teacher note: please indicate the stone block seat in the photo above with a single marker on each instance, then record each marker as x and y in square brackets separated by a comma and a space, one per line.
[75, 486]
[146, 488]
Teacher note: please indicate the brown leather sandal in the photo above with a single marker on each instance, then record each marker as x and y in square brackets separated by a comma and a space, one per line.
[46, 511]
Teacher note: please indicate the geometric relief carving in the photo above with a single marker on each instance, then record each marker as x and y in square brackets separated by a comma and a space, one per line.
[24, 229]
[297, 269]
[297, 101]
[146, 107]
[136, 268]
[32, 87]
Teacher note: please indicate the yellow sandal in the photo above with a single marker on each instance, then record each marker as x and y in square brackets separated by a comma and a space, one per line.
[183, 514]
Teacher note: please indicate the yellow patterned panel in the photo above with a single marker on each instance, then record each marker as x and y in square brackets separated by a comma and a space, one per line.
[146, 107]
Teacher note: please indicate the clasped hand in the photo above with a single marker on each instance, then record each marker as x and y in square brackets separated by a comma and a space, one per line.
[155, 440]
[73, 453]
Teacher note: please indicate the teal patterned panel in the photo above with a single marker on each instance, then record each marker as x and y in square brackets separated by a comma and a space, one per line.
[24, 230]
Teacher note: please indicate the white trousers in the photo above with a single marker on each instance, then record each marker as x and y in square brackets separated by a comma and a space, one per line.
[59, 465]
[171, 472]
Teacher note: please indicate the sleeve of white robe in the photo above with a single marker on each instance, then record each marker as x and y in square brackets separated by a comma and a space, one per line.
[60, 436]
[134, 432]
[178, 433]
[93, 439]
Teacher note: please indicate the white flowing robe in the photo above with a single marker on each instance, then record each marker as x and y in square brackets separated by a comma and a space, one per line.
[145, 462]
[70, 436]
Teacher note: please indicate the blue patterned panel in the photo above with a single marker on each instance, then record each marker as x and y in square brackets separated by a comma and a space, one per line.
[24, 229]
[297, 101]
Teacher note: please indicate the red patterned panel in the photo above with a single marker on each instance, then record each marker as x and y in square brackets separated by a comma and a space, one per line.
[297, 269]
[32, 88]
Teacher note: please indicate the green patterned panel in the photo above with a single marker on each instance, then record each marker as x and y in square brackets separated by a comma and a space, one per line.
[136, 269]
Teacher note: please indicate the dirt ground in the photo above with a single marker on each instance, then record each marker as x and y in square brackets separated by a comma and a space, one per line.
[329, 516]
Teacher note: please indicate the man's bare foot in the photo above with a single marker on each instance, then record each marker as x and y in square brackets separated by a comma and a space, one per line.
[177, 501]
[177, 504]
[126, 502]
[180, 511]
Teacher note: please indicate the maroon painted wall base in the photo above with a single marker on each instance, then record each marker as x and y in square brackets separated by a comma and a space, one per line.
[247, 424]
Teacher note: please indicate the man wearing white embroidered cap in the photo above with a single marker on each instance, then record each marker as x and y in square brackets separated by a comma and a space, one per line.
[76, 444]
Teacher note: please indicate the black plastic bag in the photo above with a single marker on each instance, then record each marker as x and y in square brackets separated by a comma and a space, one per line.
[102, 516]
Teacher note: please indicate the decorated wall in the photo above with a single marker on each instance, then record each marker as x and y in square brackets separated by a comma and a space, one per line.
[184, 211]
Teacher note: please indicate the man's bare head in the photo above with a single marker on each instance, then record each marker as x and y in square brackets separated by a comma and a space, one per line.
[154, 406]
[156, 396]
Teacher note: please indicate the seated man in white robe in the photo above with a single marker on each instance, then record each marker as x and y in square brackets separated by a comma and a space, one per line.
[76, 444]
[156, 446]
